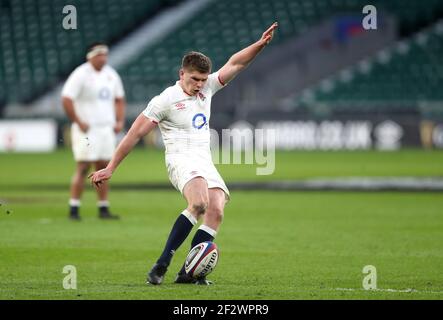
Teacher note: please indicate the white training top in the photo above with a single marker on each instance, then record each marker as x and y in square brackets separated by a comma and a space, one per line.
[183, 119]
[94, 93]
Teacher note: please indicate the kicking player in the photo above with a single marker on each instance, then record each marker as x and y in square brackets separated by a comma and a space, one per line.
[93, 99]
[182, 113]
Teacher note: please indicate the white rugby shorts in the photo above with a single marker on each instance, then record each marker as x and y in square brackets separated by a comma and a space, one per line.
[182, 169]
[98, 143]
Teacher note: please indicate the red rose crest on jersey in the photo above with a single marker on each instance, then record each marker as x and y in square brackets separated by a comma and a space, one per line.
[180, 106]
[202, 96]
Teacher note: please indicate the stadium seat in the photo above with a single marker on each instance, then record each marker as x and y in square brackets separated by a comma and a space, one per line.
[223, 27]
[37, 52]
[399, 84]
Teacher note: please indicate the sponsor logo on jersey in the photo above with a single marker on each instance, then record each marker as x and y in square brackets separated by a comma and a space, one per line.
[104, 94]
[202, 96]
[180, 106]
[199, 121]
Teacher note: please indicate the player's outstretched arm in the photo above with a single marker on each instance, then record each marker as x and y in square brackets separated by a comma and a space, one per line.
[241, 59]
[141, 127]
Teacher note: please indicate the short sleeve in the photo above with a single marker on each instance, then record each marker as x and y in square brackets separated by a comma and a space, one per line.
[156, 109]
[119, 91]
[73, 85]
[214, 82]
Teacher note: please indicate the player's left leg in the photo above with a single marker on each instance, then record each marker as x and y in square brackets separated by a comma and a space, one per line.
[102, 194]
[195, 192]
[77, 187]
[207, 231]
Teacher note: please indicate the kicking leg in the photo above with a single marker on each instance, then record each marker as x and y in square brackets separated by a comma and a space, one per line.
[212, 220]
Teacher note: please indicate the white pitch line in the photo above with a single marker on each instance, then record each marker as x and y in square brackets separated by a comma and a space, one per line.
[390, 290]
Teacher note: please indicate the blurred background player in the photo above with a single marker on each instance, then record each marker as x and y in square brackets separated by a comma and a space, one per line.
[182, 112]
[93, 99]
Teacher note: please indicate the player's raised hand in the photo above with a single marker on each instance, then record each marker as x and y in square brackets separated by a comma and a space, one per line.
[268, 34]
[98, 177]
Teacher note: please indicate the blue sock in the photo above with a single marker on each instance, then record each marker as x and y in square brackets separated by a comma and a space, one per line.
[180, 231]
[203, 234]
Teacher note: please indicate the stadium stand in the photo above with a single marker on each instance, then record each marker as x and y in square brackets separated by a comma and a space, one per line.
[397, 79]
[36, 52]
[226, 26]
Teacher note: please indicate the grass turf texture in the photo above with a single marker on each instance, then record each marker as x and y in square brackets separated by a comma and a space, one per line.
[274, 245]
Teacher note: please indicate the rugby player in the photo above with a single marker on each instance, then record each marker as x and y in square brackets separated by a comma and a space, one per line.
[182, 113]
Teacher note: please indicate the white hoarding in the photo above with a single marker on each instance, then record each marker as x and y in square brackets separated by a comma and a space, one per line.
[28, 135]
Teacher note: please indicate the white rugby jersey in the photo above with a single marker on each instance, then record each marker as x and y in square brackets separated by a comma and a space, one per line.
[94, 93]
[183, 119]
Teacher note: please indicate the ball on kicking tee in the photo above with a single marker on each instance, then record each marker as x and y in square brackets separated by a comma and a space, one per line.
[202, 259]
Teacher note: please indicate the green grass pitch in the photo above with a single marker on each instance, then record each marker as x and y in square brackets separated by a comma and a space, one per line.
[273, 245]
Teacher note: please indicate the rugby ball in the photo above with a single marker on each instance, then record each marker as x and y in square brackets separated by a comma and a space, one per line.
[202, 259]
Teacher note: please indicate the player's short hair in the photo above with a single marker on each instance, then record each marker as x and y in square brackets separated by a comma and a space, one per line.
[196, 61]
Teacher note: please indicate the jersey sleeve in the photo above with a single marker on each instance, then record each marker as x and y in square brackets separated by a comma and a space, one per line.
[119, 91]
[157, 109]
[73, 85]
[215, 83]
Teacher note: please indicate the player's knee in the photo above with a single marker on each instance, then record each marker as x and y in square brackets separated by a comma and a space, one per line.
[216, 215]
[83, 171]
[199, 207]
